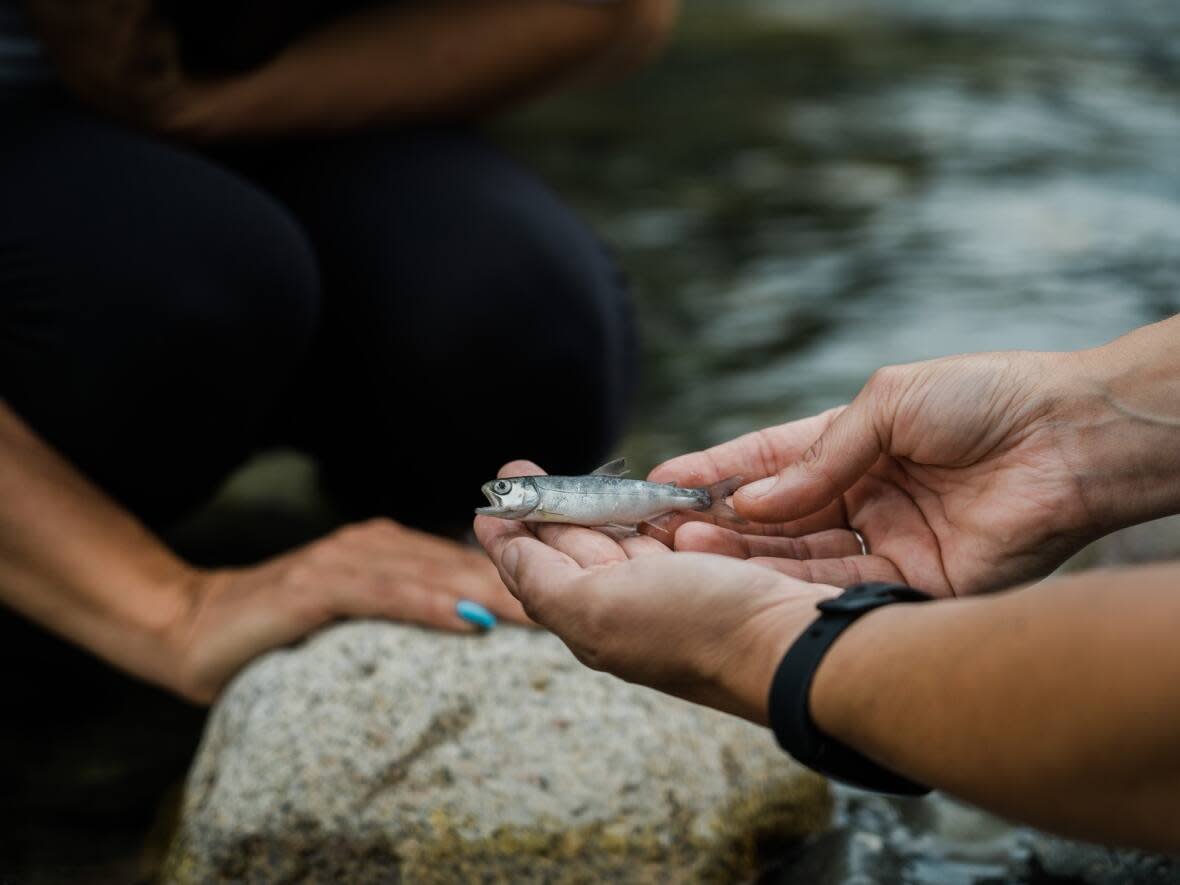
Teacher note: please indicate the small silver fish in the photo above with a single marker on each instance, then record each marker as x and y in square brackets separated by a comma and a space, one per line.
[602, 498]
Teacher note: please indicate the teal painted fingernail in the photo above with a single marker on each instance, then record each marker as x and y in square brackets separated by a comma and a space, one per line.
[474, 613]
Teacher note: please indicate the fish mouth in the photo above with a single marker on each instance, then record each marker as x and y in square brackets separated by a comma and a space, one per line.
[495, 508]
[498, 508]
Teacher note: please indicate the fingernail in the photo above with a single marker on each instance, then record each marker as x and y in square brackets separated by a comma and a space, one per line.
[761, 488]
[474, 613]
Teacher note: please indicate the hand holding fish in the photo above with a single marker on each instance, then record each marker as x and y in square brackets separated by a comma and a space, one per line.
[961, 475]
[722, 625]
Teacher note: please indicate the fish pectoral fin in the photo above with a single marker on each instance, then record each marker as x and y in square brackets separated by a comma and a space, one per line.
[617, 531]
[617, 467]
[657, 527]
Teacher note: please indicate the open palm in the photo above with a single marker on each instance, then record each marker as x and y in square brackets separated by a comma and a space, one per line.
[961, 475]
[705, 628]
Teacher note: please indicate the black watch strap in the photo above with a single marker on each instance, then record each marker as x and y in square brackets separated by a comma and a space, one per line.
[790, 711]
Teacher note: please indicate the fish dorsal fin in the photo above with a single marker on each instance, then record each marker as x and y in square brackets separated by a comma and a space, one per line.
[617, 467]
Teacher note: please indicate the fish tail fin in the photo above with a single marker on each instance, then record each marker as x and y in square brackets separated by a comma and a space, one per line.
[719, 493]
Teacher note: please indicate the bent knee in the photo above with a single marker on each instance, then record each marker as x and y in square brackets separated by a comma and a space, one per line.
[244, 293]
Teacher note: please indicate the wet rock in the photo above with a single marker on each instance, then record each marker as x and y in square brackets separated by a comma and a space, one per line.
[1081, 864]
[377, 751]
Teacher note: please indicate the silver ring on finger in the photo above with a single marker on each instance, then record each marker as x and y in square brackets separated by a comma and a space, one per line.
[864, 545]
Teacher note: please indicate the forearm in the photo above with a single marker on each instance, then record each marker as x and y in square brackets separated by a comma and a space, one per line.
[1121, 426]
[409, 62]
[1056, 705]
[73, 561]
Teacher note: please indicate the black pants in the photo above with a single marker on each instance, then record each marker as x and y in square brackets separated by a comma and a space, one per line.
[413, 308]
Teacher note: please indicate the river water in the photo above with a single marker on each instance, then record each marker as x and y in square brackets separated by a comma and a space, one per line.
[804, 191]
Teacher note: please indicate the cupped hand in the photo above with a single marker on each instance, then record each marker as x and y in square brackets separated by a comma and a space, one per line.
[376, 569]
[706, 628]
[960, 475]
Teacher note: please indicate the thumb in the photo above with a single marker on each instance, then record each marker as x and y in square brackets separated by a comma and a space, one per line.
[842, 454]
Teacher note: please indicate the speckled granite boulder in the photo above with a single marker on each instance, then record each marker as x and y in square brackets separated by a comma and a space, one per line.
[376, 752]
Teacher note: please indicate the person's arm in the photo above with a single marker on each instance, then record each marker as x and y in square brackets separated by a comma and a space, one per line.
[408, 62]
[963, 474]
[388, 64]
[75, 562]
[1058, 705]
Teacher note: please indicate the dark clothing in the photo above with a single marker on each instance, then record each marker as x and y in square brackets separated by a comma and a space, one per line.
[412, 307]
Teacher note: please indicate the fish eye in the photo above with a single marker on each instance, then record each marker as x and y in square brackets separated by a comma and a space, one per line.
[502, 487]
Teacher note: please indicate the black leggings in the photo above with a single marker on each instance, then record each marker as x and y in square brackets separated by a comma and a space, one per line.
[411, 307]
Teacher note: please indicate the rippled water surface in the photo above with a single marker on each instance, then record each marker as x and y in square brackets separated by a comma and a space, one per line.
[804, 191]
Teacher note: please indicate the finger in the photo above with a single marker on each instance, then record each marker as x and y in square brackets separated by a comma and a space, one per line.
[541, 578]
[457, 581]
[844, 451]
[838, 572]
[395, 554]
[661, 531]
[640, 545]
[495, 535]
[705, 538]
[585, 546]
[532, 571]
[404, 601]
[519, 468]
[395, 543]
[830, 517]
[504, 606]
[754, 455]
[485, 587]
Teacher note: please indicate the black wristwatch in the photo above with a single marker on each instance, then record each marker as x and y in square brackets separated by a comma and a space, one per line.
[790, 712]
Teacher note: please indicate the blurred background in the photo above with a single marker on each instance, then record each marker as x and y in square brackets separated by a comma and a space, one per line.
[802, 191]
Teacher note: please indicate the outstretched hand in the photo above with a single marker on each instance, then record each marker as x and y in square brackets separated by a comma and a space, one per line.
[959, 474]
[706, 628]
[376, 569]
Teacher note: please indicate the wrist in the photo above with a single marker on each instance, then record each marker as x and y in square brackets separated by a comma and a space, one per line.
[150, 635]
[761, 645]
[1124, 427]
[792, 716]
[837, 700]
[129, 617]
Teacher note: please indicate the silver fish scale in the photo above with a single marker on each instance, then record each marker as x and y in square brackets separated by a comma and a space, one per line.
[605, 500]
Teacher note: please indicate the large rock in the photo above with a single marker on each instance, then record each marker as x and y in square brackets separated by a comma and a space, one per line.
[377, 752]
